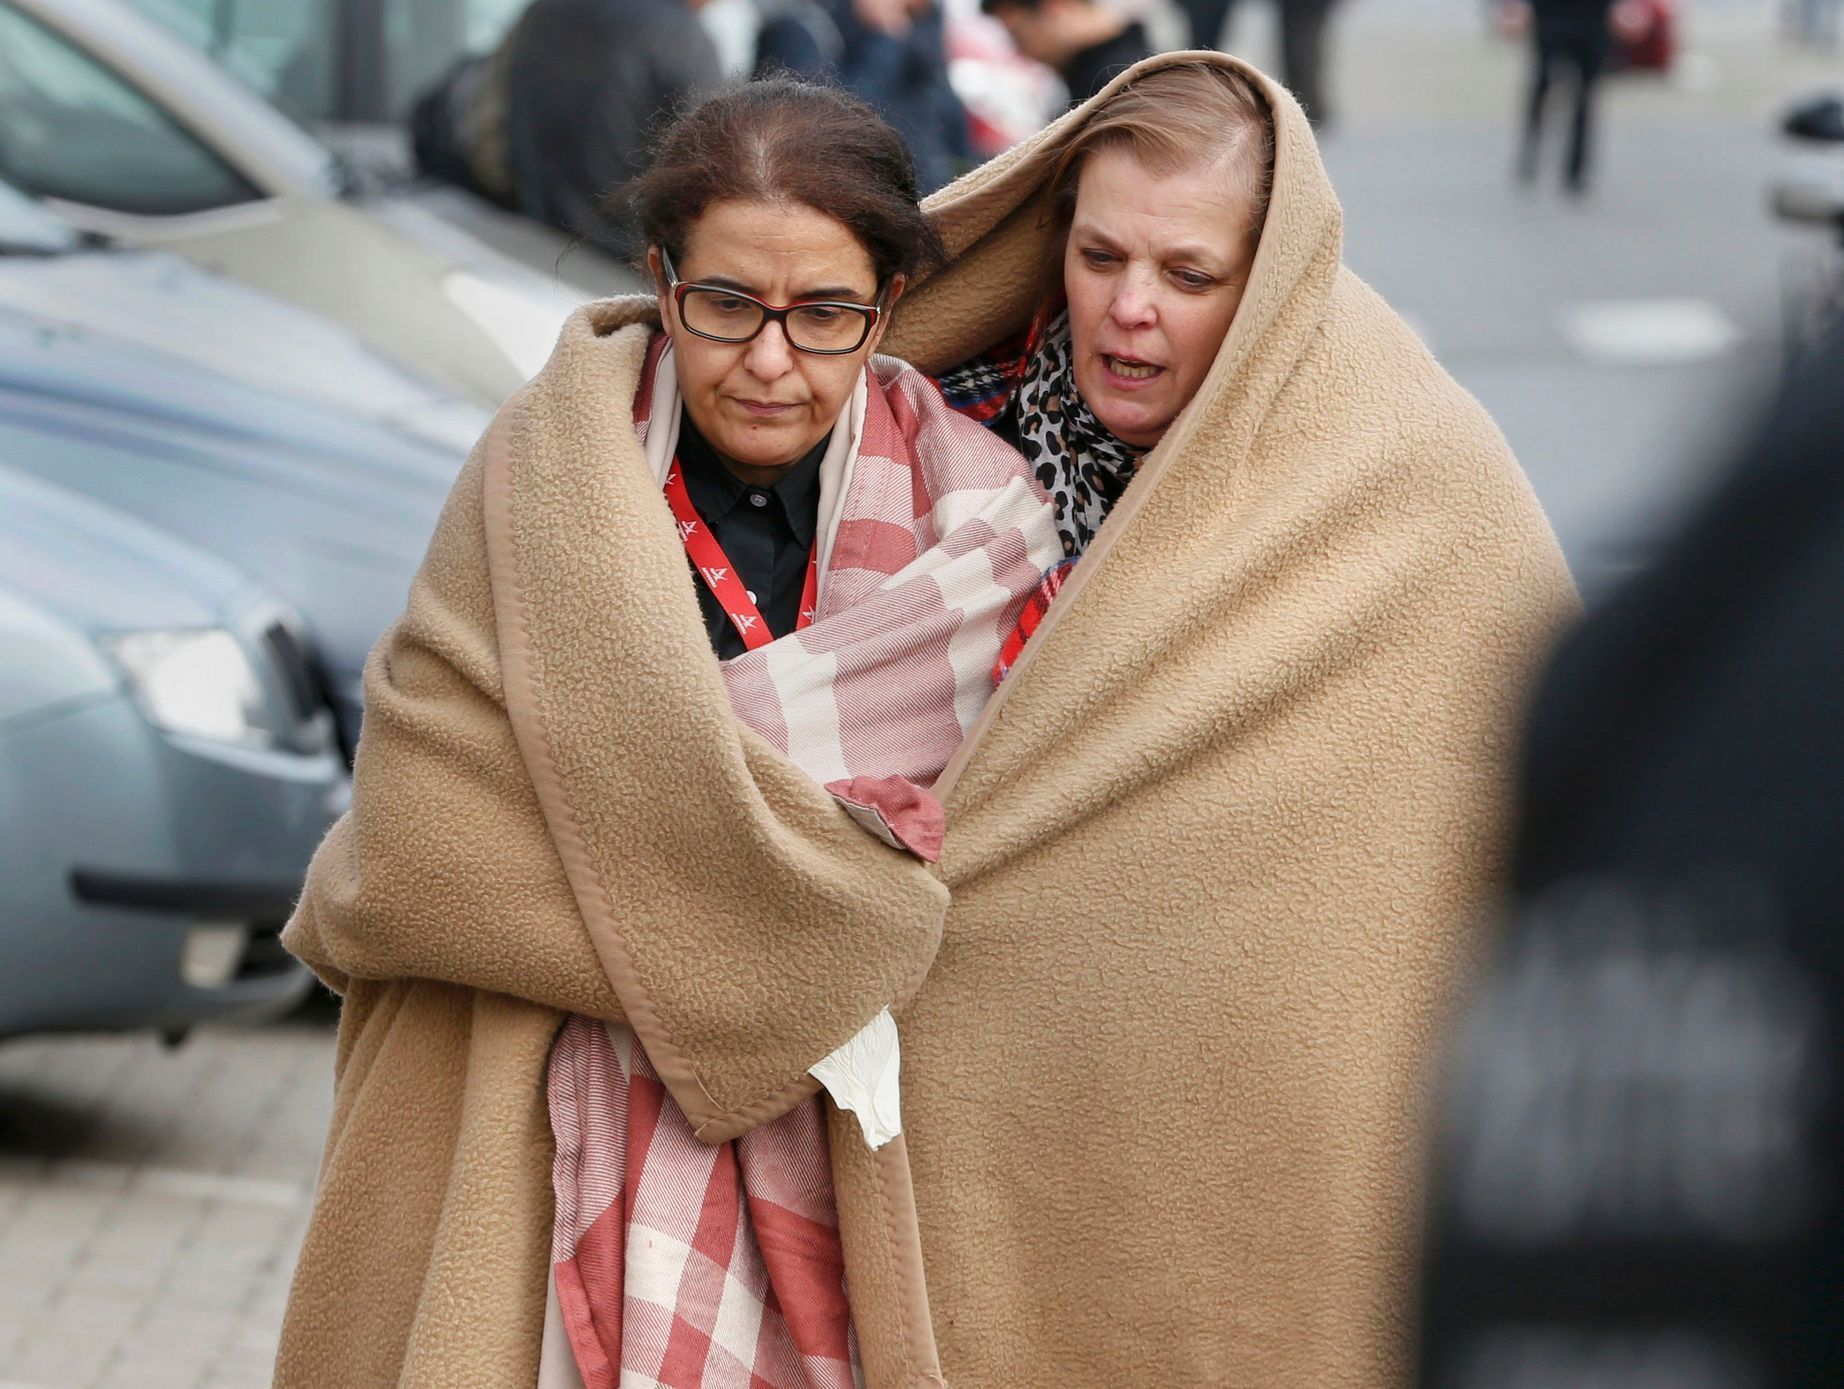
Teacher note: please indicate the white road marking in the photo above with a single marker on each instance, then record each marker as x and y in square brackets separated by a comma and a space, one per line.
[204, 1186]
[159, 1181]
[1696, 71]
[1647, 332]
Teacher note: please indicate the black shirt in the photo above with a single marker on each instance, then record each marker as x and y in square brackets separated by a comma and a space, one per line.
[767, 532]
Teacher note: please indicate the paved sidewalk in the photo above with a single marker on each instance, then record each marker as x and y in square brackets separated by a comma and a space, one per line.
[151, 1204]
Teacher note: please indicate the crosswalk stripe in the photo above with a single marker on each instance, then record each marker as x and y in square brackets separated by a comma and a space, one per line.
[1647, 332]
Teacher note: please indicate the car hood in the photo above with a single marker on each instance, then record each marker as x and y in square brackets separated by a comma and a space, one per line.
[160, 302]
[72, 569]
[101, 570]
[330, 511]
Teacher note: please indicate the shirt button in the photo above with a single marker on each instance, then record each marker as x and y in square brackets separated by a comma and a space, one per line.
[757, 499]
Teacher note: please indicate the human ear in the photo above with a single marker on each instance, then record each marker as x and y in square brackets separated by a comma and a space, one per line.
[892, 292]
[656, 268]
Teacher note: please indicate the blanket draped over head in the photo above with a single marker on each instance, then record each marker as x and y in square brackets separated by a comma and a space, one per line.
[1215, 852]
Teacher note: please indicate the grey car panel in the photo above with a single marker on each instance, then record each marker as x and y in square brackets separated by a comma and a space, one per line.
[107, 570]
[51, 666]
[122, 843]
[332, 512]
[97, 791]
[165, 304]
[442, 301]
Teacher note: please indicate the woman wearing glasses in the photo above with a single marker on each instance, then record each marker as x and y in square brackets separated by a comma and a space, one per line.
[607, 911]
[761, 386]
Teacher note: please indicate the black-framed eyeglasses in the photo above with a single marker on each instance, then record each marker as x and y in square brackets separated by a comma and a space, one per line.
[830, 327]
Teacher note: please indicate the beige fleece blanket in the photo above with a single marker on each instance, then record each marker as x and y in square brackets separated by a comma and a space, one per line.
[1215, 854]
[549, 758]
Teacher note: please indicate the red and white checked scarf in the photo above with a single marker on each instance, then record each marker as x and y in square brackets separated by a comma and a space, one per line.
[691, 1266]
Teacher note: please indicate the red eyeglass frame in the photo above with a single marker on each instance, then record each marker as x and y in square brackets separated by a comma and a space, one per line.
[771, 313]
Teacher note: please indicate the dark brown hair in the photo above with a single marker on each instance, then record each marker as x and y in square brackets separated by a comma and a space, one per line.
[1181, 117]
[780, 140]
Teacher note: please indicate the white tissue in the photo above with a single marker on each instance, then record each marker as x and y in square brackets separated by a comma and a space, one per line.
[869, 818]
[861, 1076]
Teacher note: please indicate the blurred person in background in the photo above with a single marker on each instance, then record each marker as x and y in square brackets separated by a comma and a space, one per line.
[1571, 34]
[1642, 1176]
[1303, 25]
[594, 915]
[1085, 42]
[1206, 20]
[891, 54]
[560, 113]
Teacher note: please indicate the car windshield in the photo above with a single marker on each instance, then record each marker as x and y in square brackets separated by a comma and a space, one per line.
[77, 130]
[317, 59]
[268, 67]
[281, 50]
[28, 229]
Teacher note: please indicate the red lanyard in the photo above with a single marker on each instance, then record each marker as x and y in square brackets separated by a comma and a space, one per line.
[719, 574]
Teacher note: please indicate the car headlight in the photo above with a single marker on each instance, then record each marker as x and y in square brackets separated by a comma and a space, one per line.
[199, 682]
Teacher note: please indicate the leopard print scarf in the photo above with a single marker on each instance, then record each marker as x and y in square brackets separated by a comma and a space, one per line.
[1084, 468]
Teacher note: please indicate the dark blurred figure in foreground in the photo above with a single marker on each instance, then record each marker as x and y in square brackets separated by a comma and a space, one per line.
[890, 54]
[1085, 42]
[560, 114]
[1572, 34]
[1303, 26]
[1640, 1185]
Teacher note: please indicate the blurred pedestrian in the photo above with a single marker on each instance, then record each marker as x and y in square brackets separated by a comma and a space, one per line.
[892, 55]
[1303, 29]
[1085, 42]
[1564, 34]
[1304, 25]
[560, 114]
[1206, 20]
[1642, 1179]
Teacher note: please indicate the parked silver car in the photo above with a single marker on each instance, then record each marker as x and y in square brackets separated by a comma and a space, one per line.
[166, 770]
[130, 131]
[350, 70]
[227, 418]
[339, 62]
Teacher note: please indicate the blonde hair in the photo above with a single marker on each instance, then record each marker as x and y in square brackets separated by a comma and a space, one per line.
[1184, 117]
